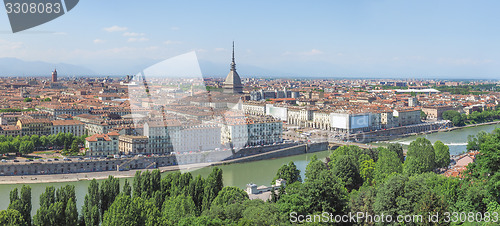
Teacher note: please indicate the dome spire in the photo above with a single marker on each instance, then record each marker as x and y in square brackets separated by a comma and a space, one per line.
[233, 64]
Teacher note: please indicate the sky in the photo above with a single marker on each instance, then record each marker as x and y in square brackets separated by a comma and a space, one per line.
[399, 39]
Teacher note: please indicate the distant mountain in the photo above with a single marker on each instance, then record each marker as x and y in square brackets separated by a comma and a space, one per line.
[17, 67]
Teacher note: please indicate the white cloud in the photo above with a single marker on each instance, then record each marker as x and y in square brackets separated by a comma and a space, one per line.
[463, 61]
[142, 39]
[170, 42]
[312, 52]
[98, 41]
[8, 45]
[115, 28]
[133, 34]
[219, 49]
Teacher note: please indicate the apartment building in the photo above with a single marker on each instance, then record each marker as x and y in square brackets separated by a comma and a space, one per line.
[133, 144]
[251, 131]
[102, 144]
[75, 127]
[254, 108]
[40, 127]
[159, 141]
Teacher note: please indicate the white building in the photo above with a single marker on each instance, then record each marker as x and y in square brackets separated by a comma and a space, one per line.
[102, 144]
[254, 108]
[280, 113]
[196, 138]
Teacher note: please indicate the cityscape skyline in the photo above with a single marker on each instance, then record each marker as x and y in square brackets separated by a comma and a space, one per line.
[388, 39]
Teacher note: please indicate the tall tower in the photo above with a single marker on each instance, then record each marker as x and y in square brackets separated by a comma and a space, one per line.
[232, 84]
[54, 76]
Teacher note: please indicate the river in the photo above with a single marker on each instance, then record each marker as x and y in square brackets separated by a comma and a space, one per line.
[456, 139]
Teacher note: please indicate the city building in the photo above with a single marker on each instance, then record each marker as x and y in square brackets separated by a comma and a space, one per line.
[132, 145]
[251, 131]
[407, 116]
[102, 144]
[201, 137]
[40, 127]
[159, 141]
[75, 127]
[54, 76]
[436, 112]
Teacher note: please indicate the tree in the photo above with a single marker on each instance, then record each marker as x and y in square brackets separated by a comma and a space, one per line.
[488, 160]
[122, 212]
[230, 195]
[71, 212]
[442, 153]
[146, 188]
[258, 212]
[423, 116]
[91, 206]
[398, 149]
[314, 168]
[196, 188]
[362, 200]
[448, 115]
[137, 184]
[11, 217]
[289, 173]
[213, 185]
[27, 99]
[325, 194]
[110, 188]
[345, 169]
[155, 180]
[366, 170]
[75, 147]
[176, 208]
[387, 195]
[150, 212]
[54, 206]
[127, 190]
[420, 157]
[22, 203]
[36, 141]
[388, 164]
[26, 147]
[474, 141]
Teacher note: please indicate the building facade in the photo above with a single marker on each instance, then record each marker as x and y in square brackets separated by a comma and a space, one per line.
[102, 144]
[133, 145]
[75, 127]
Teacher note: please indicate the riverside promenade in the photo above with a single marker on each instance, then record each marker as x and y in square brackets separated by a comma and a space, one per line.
[55, 178]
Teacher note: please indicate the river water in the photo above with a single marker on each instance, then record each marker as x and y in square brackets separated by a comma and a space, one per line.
[259, 172]
[456, 139]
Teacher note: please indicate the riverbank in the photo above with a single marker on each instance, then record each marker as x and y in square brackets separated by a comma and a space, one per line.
[73, 177]
[441, 130]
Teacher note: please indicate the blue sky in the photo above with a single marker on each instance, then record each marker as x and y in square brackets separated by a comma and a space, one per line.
[447, 39]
